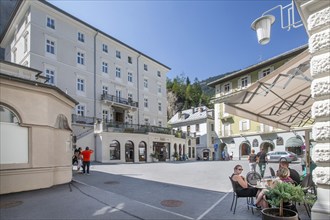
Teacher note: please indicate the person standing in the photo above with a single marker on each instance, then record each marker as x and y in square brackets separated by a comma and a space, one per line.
[80, 160]
[86, 159]
[252, 158]
[223, 154]
[262, 160]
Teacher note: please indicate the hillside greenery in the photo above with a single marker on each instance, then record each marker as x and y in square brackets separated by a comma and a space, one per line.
[190, 94]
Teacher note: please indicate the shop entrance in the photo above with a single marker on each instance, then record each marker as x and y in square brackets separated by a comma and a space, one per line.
[162, 150]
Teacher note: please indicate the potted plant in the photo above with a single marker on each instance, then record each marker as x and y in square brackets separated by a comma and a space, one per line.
[175, 156]
[154, 156]
[280, 196]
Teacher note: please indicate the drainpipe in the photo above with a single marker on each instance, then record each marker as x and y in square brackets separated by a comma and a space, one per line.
[138, 87]
[95, 140]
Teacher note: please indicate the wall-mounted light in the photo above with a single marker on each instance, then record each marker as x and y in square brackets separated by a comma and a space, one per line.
[263, 24]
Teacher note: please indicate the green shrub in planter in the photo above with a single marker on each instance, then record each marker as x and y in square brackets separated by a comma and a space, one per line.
[284, 193]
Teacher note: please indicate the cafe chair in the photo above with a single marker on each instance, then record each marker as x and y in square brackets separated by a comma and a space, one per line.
[308, 185]
[249, 200]
[272, 172]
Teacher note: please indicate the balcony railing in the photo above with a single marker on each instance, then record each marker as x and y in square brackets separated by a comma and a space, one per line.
[78, 119]
[135, 128]
[119, 100]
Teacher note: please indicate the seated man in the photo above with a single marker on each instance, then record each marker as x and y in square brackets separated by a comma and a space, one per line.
[293, 173]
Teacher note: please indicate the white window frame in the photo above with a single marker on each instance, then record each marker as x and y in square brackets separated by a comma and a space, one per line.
[118, 54]
[105, 89]
[244, 82]
[145, 83]
[145, 67]
[50, 22]
[224, 88]
[118, 93]
[197, 128]
[50, 72]
[81, 110]
[81, 85]
[118, 72]
[81, 37]
[130, 77]
[226, 129]
[105, 48]
[81, 58]
[244, 125]
[146, 102]
[50, 47]
[159, 74]
[159, 106]
[105, 67]
[130, 60]
[264, 72]
[105, 115]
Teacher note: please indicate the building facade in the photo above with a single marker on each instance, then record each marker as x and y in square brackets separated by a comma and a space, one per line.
[39, 114]
[115, 84]
[197, 124]
[240, 135]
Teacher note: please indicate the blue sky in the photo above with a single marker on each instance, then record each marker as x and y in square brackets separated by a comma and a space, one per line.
[195, 38]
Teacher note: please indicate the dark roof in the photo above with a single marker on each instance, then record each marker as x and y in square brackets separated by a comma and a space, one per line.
[84, 23]
[260, 65]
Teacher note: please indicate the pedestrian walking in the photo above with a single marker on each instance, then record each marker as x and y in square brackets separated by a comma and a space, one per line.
[86, 159]
[80, 160]
[262, 160]
[252, 158]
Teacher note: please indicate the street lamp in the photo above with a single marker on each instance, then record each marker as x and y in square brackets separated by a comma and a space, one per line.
[263, 24]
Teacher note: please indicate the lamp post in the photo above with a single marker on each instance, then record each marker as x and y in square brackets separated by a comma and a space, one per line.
[263, 24]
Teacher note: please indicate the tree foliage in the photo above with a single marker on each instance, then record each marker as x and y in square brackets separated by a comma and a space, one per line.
[191, 95]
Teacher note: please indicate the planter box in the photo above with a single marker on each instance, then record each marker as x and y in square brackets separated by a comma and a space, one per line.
[272, 214]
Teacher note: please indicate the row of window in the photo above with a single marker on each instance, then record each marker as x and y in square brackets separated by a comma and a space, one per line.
[245, 81]
[50, 73]
[50, 45]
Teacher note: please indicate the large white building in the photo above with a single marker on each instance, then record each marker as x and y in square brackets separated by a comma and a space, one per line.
[116, 85]
[198, 124]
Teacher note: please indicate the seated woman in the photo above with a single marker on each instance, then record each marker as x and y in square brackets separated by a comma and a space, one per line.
[241, 185]
[283, 176]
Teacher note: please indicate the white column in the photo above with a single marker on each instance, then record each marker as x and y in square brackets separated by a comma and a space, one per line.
[316, 18]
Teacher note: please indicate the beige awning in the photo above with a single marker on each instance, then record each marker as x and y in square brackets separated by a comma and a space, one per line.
[282, 99]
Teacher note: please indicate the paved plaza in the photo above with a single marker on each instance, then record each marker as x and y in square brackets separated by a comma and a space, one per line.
[171, 190]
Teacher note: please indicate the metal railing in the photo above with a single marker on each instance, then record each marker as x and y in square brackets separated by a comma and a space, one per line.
[134, 128]
[120, 100]
[78, 119]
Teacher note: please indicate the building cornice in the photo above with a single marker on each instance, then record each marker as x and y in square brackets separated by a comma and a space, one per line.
[258, 66]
